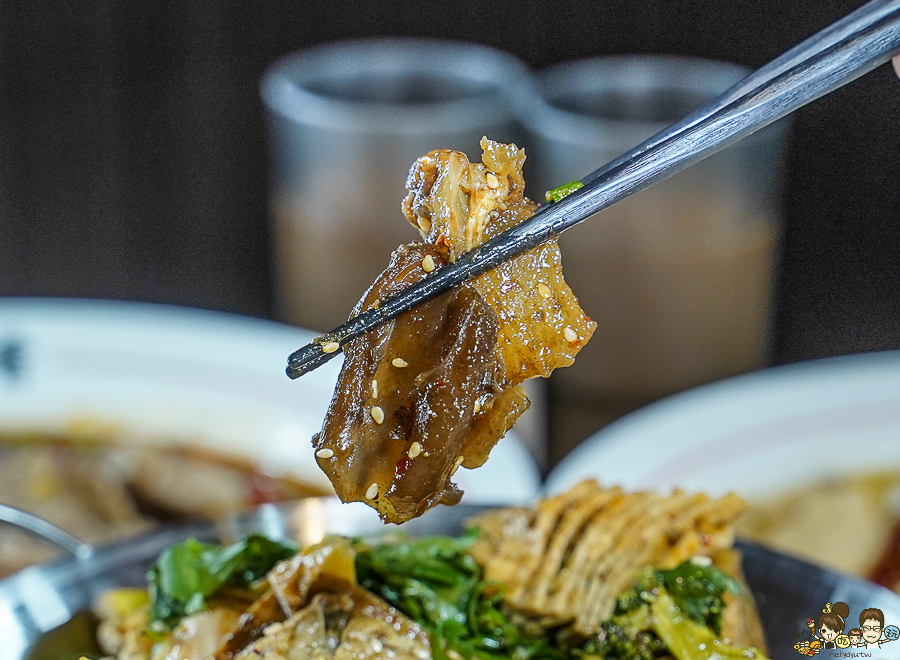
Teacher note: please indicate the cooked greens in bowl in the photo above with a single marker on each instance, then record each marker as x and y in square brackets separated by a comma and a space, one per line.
[524, 582]
[571, 577]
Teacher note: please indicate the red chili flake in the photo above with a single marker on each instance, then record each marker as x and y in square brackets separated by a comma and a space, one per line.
[401, 466]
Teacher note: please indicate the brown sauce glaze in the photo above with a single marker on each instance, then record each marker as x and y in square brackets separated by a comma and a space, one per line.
[438, 387]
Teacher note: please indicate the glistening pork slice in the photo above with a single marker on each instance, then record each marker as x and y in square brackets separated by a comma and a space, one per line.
[436, 388]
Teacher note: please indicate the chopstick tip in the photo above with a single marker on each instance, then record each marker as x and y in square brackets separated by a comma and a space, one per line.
[319, 351]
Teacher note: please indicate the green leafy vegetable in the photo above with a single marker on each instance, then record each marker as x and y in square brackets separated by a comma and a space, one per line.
[562, 191]
[698, 591]
[669, 613]
[436, 582]
[625, 636]
[186, 574]
[688, 640]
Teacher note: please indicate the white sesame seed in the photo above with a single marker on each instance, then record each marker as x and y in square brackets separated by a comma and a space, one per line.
[415, 449]
[459, 460]
[477, 406]
[570, 334]
[492, 180]
[374, 389]
[273, 629]
[701, 560]
[544, 290]
[377, 414]
[428, 263]
[372, 493]
[399, 363]
[424, 224]
[325, 453]
[330, 347]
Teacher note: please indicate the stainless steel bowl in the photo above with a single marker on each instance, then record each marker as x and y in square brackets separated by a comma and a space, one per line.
[42, 608]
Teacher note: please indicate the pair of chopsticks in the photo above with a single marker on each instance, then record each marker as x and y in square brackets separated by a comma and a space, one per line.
[853, 46]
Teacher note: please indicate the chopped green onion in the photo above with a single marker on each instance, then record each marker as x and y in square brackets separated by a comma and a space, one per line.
[562, 191]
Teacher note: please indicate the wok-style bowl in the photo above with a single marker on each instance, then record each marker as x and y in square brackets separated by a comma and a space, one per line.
[42, 608]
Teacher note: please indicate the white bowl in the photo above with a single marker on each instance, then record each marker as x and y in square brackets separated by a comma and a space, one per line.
[759, 435]
[172, 376]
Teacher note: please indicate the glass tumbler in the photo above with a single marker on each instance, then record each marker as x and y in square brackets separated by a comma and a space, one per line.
[346, 121]
[678, 277]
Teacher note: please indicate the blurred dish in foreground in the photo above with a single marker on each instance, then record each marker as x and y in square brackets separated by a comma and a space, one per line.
[568, 578]
[813, 447]
[104, 489]
[165, 411]
[36, 601]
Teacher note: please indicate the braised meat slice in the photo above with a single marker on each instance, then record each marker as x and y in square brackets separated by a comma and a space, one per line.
[315, 609]
[436, 388]
[456, 206]
[406, 410]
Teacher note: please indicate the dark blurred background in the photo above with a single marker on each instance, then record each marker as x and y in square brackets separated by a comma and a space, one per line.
[133, 158]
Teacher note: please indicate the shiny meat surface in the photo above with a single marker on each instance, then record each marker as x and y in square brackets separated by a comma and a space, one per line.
[340, 626]
[408, 400]
[315, 609]
[457, 205]
[438, 387]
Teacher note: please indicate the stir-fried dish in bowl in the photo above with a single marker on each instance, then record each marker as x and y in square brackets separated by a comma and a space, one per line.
[570, 577]
[116, 416]
[851, 524]
[101, 490]
[590, 573]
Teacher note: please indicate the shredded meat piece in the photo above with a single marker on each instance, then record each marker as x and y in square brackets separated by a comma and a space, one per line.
[344, 627]
[315, 609]
[567, 561]
[456, 206]
[438, 387]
